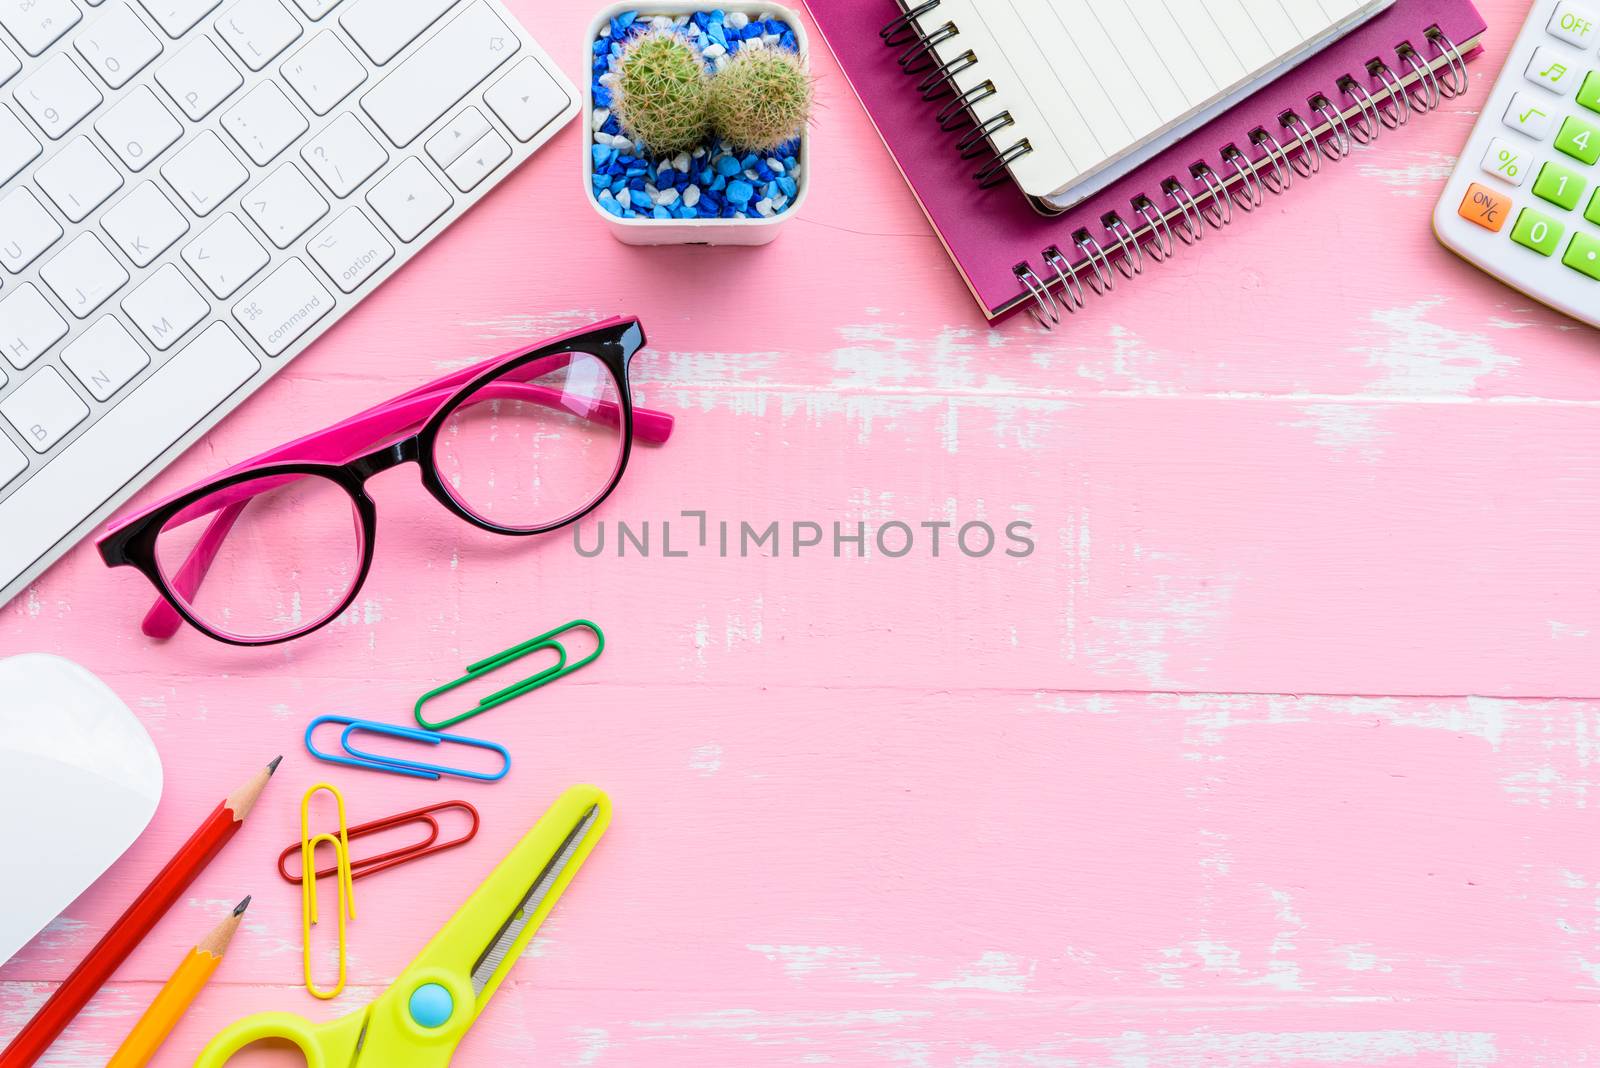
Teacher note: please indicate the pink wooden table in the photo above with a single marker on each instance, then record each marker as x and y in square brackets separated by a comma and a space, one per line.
[1281, 748]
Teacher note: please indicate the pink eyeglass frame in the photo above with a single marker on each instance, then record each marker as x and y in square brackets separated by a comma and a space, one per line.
[400, 430]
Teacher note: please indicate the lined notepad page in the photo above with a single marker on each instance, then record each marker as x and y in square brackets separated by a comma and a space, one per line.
[1099, 86]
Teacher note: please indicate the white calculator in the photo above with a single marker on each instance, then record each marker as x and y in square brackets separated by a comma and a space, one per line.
[1524, 200]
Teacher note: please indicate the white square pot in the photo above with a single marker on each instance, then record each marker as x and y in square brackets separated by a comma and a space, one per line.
[756, 230]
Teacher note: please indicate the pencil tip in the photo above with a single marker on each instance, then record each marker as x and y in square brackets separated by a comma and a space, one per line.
[239, 908]
[272, 767]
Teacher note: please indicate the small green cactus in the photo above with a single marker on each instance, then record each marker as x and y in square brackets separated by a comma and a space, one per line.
[761, 99]
[661, 93]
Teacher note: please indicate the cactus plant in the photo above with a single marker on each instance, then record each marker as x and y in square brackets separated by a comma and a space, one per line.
[661, 93]
[761, 99]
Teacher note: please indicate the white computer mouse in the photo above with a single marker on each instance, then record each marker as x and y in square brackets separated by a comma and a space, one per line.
[79, 781]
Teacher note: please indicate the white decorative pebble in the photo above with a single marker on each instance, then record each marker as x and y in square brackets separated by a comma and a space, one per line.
[764, 207]
[691, 196]
[661, 22]
[775, 165]
[668, 197]
[680, 162]
[609, 79]
[600, 117]
[625, 198]
[651, 191]
[713, 51]
[721, 62]
[770, 39]
[737, 20]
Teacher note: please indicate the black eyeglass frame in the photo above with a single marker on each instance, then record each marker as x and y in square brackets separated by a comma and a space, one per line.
[614, 345]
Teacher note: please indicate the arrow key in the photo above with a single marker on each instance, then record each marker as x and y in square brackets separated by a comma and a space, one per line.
[527, 99]
[460, 134]
[409, 199]
[475, 164]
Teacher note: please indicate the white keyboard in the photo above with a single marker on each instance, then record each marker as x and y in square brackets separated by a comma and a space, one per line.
[191, 191]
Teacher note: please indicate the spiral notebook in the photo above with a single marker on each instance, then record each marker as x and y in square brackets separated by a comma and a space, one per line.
[924, 86]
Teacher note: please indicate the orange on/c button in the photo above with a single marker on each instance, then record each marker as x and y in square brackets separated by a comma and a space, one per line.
[1485, 207]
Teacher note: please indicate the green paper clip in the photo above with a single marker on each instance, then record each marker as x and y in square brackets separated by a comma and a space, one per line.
[560, 669]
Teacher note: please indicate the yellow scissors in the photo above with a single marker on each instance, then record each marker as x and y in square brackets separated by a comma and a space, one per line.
[419, 1020]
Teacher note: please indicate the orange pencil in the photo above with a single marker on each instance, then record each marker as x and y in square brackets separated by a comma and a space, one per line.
[176, 997]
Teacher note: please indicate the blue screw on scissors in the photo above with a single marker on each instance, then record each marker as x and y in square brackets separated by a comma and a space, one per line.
[420, 1019]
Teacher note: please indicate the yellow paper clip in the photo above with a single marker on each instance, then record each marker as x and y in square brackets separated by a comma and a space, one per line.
[345, 896]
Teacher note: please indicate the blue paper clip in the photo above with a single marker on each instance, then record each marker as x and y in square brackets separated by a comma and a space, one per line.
[359, 759]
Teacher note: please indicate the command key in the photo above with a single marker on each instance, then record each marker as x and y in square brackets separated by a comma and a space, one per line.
[1485, 207]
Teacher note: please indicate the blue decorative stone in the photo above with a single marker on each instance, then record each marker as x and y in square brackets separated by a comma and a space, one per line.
[602, 154]
[740, 192]
[728, 166]
[788, 185]
[602, 96]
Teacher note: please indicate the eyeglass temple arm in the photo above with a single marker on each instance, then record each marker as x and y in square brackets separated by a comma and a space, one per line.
[349, 439]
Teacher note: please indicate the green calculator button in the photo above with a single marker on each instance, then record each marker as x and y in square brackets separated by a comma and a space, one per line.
[1579, 139]
[1559, 185]
[1593, 211]
[1583, 255]
[1589, 91]
[1537, 231]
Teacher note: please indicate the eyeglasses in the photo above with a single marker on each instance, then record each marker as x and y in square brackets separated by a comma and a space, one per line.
[277, 546]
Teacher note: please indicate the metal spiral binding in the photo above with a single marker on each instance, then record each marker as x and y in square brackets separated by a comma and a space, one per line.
[938, 81]
[1239, 180]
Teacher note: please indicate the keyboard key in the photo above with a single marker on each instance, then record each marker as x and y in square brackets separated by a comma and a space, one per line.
[78, 178]
[144, 224]
[1583, 255]
[138, 128]
[315, 9]
[284, 205]
[104, 358]
[527, 99]
[83, 275]
[324, 73]
[1485, 207]
[28, 326]
[26, 229]
[1526, 114]
[164, 306]
[37, 24]
[479, 161]
[117, 45]
[57, 95]
[1551, 69]
[1537, 231]
[1592, 212]
[225, 256]
[1579, 139]
[1559, 185]
[381, 28]
[409, 199]
[264, 123]
[443, 69]
[9, 63]
[1589, 91]
[178, 17]
[199, 78]
[18, 147]
[344, 155]
[121, 444]
[44, 409]
[204, 173]
[258, 30]
[1573, 23]
[458, 135]
[350, 250]
[1506, 161]
[12, 462]
[286, 305]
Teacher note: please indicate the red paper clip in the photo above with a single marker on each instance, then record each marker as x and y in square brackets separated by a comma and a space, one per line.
[383, 861]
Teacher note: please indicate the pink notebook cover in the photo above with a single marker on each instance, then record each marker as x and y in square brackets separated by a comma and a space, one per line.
[990, 231]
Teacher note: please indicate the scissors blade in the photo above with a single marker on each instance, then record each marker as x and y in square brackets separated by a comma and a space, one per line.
[499, 950]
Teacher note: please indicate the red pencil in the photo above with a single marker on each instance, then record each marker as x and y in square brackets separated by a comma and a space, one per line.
[71, 996]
